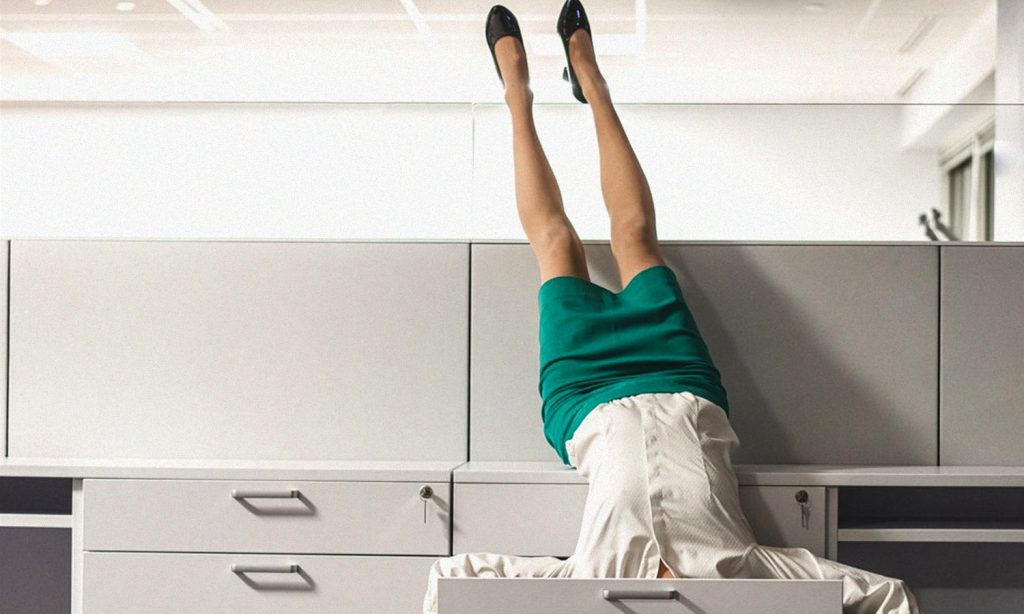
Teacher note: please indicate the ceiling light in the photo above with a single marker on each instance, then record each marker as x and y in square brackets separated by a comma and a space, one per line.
[421, 24]
[41, 2]
[923, 28]
[196, 12]
[910, 82]
[124, 7]
[58, 46]
[816, 7]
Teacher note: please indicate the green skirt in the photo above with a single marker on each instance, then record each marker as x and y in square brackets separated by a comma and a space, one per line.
[597, 346]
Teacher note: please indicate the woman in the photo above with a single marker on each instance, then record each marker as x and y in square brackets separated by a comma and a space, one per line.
[631, 397]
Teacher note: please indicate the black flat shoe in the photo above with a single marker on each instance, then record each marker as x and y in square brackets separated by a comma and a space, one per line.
[501, 22]
[572, 18]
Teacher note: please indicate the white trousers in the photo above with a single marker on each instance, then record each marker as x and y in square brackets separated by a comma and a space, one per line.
[662, 486]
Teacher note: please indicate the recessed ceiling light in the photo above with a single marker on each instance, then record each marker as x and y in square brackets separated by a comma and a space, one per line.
[125, 6]
[815, 6]
[924, 26]
[910, 82]
[196, 12]
[41, 2]
[60, 46]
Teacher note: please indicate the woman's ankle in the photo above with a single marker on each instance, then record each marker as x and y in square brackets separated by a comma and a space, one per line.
[518, 94]
[594, 86]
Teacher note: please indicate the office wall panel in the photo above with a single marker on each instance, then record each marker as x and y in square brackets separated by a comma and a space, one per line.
[4, 247]
[828, 352]
[244, 350]
[982, 346]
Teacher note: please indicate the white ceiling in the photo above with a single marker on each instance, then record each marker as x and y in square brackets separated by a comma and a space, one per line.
[434, 50]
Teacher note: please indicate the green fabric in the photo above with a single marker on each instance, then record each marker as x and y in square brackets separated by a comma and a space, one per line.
[597, 346]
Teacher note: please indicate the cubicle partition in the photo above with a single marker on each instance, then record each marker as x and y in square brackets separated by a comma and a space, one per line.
[828, 352]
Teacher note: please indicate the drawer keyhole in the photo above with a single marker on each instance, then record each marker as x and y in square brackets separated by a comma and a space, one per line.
[805, 508]
[425, 494]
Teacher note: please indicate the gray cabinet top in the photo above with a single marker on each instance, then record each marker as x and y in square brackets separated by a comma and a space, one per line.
[518, 472]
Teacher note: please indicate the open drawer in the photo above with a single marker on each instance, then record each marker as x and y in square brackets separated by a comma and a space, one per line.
[617, 595]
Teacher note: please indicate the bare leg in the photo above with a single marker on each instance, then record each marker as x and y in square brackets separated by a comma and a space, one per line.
[627, 195]
[554, 240]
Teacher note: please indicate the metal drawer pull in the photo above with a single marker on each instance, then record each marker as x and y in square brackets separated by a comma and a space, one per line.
[240, 569]
[265, 494]
[615, 595]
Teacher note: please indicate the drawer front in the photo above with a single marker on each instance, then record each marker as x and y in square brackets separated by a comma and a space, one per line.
[544, 519]
[262, 516]
[775, 515]
[522, 519]
[709, 596]
[131, 582]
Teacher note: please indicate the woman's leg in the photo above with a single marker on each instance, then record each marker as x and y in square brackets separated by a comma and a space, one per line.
[722, 524]
[554, 240]
[627, 196]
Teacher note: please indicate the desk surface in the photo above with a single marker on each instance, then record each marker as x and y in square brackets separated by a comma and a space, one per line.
[219, 469]
[782, 475]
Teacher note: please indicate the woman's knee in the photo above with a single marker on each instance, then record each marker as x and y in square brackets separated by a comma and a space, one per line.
[559, 252]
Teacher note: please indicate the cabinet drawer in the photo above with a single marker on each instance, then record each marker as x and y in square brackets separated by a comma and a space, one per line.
[544, 519]
[522, 519]
[263, 516]
[115, 582]
[775, 515]
[709, 596]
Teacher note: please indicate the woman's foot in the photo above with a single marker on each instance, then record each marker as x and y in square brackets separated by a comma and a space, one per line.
[584, 63]
[512, 62]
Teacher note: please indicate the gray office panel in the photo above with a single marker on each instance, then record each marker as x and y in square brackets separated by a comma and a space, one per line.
[982, 347]
[828, 352]
[505, 420]
[35, 570]
[4, 247]
[947, 578]
[238, 350]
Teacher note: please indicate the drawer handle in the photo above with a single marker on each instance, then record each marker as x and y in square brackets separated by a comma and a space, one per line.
[240, 569]
[265, 494]
[616, 595]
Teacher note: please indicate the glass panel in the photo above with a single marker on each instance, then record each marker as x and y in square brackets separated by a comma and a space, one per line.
[788, 120]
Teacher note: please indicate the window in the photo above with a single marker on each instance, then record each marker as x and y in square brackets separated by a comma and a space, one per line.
[969, 182]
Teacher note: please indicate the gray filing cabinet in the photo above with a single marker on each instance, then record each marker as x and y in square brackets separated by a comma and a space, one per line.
[201, 546]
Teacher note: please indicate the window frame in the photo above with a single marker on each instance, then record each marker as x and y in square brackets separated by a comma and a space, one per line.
[978, 204]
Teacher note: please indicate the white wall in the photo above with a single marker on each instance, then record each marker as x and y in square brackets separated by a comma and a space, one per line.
[444, 171]
[234, 170]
